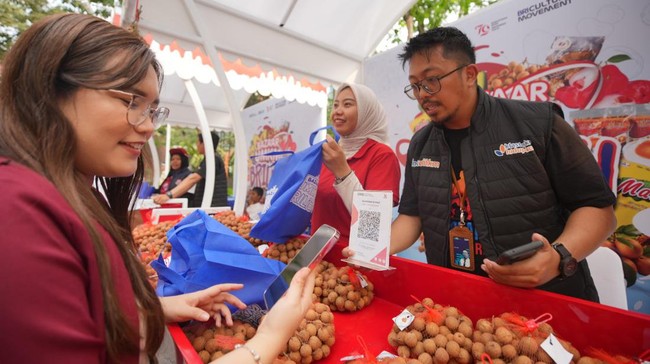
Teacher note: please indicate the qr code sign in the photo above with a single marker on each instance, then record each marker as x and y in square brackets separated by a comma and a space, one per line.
[369, 225]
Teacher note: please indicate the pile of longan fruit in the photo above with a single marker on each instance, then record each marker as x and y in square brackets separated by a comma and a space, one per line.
[505, 341]
[285, 252]
[313, 338]
[238, 224]
[512, 73]
[342, 289]
[437, 334]
[212, 343]
[151, 241]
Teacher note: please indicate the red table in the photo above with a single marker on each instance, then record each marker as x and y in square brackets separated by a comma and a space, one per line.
[584, 324]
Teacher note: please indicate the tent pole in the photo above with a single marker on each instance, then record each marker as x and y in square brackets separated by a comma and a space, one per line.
[241, 152]
[207, 143]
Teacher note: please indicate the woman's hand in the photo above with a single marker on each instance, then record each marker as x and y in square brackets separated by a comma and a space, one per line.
[285, 316]
[334, 158]
[201, 305]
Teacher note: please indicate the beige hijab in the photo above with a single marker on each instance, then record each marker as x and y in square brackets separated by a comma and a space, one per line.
[371, 120]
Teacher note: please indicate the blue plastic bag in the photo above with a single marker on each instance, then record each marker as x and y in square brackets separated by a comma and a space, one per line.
[205, 253]
[291, 194]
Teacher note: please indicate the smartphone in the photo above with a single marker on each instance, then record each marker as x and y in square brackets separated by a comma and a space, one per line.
[314, 250]
[519, 253]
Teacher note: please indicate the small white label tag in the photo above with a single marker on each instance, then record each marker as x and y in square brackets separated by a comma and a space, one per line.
[555, 350]
[404, 319]
[363, 281]
[386, 355]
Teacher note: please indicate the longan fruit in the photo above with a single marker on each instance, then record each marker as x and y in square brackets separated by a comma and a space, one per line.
[503, 335]
[419, 324]
[478, 348]
[440, 340]
[403, 351]
[294, 344]
[429, 346]
[527, 346]
[522, 359]
[425, 358]
[410, 339]
[211, 345]
[326, 350]
[441, 356]
[453, 349]
[465, 328]
[418, 349]
[452, 322]
[199, 343]
[493, 349]
[305, 350]
[484, 325]
[509, 352]
[205, 356]
[317, 354]
[432, 329]
[464, 357]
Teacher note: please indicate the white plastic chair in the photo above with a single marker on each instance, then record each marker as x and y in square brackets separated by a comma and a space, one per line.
[607, 271]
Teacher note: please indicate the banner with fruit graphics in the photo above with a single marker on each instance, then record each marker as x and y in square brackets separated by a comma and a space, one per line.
[590, 57]
[274, 126]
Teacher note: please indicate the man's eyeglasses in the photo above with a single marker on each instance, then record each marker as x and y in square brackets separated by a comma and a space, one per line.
[137, 111]
[431, 85]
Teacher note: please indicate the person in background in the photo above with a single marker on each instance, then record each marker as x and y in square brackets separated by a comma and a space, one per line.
[78, 102]
[255, 205]
[361, 160]
[220, 192]
[179, 164]
[497, 173]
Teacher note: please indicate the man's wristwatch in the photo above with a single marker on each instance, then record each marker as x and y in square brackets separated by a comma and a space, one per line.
[169, 194]
[568, 264]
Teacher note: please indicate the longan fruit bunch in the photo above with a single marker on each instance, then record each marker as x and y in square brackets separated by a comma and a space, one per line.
[437, 334]
[285, 252]
[506, 342]
[313, 339]
[512, 73]
[238, 224]
[152, 239]
[212, 343]
[342, 289]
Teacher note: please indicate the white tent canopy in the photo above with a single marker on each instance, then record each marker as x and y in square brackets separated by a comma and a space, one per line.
[321, 41]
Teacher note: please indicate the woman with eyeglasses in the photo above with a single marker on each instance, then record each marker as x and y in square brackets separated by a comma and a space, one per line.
[78, 102]
[361, 160]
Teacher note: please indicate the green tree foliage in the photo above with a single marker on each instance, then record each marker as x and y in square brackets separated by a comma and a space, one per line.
[18, 15]
[427, 14]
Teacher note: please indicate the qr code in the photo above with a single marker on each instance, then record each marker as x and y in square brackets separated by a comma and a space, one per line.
[369, 225]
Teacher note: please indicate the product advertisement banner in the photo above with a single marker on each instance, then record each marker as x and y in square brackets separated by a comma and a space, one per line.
[274, 126]
[592, 58]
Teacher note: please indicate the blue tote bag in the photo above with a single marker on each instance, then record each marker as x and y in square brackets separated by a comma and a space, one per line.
[291, 193]
[205, 253]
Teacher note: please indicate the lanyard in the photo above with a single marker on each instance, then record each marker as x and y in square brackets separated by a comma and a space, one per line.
[461, 195]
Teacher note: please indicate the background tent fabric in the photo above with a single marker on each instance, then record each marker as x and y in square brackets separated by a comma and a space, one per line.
[318, 41]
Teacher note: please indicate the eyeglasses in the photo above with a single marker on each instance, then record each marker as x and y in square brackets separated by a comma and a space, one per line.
[431, 85]
[137, 111]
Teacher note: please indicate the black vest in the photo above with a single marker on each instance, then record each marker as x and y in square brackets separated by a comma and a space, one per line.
[508, 188]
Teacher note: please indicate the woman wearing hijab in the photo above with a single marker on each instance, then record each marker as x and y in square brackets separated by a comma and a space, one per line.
[361, 160]
[179, 169]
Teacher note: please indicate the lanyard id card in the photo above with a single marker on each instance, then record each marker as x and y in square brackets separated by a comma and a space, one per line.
[461, 248]
[461, 239]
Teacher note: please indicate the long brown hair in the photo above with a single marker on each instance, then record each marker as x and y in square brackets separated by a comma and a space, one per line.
[48, 63]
